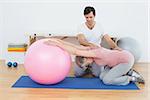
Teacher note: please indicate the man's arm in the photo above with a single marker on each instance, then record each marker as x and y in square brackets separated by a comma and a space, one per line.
[110, 42]
[82, 40]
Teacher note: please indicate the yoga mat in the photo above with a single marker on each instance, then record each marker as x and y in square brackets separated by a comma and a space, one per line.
[73, 83]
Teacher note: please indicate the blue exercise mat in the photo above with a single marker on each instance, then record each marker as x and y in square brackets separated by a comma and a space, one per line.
[73, 83]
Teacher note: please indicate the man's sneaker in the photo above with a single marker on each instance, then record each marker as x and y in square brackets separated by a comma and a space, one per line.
[138, 77]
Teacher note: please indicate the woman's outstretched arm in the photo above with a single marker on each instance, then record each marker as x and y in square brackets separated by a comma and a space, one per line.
[71, 48]
[73, 45]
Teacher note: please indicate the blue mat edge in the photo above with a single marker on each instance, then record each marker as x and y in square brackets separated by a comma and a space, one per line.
[13, 86]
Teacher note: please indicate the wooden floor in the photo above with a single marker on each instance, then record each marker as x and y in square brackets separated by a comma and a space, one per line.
[8, 77]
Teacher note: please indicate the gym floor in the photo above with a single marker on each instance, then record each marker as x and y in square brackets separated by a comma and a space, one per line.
[8, 76]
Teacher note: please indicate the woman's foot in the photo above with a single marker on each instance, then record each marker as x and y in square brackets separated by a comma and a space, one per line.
[136, 77]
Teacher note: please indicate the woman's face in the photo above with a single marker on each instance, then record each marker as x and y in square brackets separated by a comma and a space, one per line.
[89, 18]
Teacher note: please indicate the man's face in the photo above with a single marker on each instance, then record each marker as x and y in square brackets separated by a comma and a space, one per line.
[89, 17]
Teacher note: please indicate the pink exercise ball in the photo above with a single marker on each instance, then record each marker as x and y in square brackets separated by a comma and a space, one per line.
[47, 64]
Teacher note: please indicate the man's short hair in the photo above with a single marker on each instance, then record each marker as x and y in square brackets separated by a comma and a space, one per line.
[88, 10]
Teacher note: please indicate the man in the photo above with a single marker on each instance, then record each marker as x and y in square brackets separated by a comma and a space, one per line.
[89, 33]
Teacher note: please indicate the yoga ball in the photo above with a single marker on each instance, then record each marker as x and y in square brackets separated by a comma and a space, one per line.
[131, 45]
[47, 64]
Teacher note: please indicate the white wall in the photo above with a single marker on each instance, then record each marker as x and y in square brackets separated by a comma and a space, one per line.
[149, 29]
[0, 31]
[118, 17]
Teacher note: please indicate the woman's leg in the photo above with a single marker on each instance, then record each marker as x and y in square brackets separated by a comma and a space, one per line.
[104, 71]
[117, 75]
[96, 69]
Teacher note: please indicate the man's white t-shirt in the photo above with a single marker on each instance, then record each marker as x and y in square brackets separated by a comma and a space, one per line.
[92, 35]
